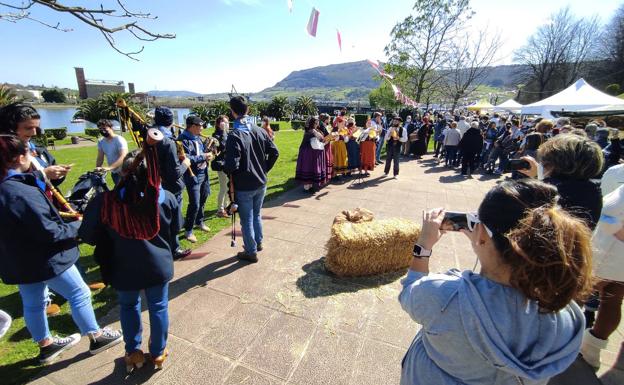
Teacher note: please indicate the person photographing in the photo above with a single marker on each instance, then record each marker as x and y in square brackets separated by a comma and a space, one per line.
[250, 154]
[514, 322]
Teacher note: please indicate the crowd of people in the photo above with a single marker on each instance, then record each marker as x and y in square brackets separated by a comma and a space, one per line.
[549, 240]
[134, 227]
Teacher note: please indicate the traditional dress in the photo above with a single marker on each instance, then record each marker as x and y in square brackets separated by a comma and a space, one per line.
[368, 149]
[311, 165]
[329, 155]
[339, 150]
[353, 152]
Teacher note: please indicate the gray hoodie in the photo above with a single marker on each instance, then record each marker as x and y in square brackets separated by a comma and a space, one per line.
[477, 331]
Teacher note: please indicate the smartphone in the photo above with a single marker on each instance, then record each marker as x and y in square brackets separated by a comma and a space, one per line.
[454, 221]
[519, 164]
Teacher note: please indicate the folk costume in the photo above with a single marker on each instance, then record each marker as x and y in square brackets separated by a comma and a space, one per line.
[329, 155]
[395, 137]
[339, 147]
[311, 164]
[353, 150]
[368, 148]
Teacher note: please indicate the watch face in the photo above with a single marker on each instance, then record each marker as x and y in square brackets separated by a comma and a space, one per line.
[417, 250]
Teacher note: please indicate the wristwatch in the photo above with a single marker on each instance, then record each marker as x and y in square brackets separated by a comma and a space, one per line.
[420, 252]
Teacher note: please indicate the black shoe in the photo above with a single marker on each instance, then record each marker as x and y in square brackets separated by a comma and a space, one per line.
[48, 354]
[107, 339]
[243, 255]
[259, 247]
[181, 253]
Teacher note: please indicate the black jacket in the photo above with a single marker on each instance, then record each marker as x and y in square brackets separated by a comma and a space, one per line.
[471, 142]
[249, 156]
[171, 169]
[219, 161]
[581, 198]
[134, 264]
[35, 243]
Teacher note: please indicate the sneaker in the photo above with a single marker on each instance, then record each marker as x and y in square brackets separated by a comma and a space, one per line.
[5, 323]
[591, 348]
[134, 360]
[97, 286]
[204, 227]
[181, 254]
[395, 177]
[259, 247]
[108, 338]
[190, 237]
[53, 310]
[243, 255]
[47, 354]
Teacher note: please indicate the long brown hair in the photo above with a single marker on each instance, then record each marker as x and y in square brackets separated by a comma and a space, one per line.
[548, 250]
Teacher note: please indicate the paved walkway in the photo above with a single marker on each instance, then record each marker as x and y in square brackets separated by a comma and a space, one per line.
[283, 320]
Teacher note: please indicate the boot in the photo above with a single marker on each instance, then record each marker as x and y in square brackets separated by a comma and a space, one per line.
[591, 347]
[160, 360]
[135, 359]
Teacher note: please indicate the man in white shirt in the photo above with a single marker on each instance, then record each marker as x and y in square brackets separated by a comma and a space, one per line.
[463, 125]
[113, 146]
[452, 136]
[612, 179]
[395, 137]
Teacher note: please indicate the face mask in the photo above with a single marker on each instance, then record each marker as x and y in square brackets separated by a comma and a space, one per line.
[104, 133]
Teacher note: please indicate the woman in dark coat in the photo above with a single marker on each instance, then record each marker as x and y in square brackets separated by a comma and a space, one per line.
[39, 251]
[135, 242]
[470, 146]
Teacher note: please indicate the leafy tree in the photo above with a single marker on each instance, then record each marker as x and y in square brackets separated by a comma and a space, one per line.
[613, 45]
[305, 106]
[420, 44]
[53, 95]
[279, 108]
[613, 89]
[383, 97]
[7, 96]
[105, 107]
[259, 108]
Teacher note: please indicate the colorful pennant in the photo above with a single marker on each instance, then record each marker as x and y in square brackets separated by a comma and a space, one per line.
[313, 22]
[339, 39]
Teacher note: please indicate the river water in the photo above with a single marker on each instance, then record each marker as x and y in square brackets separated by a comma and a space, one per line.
[62, 117]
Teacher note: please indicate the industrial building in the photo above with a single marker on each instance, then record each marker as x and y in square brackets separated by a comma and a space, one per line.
[93, 88]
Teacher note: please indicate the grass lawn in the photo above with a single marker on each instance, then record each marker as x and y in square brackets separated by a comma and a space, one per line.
[18, 351]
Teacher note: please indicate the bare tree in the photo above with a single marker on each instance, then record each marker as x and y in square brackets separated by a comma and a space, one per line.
[613, 45]
[419, 45]
[559, 49]
[469, 60]
[99, 18]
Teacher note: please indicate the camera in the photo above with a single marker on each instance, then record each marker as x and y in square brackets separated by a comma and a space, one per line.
[456, 221]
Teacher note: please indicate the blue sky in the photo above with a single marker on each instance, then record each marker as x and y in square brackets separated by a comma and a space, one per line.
[250, 43]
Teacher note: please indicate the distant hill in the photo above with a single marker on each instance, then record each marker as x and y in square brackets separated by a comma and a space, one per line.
[174, 94]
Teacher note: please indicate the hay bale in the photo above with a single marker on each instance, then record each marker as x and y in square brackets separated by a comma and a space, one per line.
[370, 247]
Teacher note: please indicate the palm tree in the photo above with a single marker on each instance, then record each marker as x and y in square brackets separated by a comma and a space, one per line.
[279, 108]
[305, 106]
[105, 107]
[7, 96]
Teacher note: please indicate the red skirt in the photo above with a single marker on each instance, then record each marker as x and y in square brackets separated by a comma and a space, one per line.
[367, 155]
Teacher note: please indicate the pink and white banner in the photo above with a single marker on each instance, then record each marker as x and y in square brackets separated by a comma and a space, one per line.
[313, 22]
[339, 39]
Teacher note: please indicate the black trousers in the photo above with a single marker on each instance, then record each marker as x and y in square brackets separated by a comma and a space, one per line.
[393, 151]
[469, 162]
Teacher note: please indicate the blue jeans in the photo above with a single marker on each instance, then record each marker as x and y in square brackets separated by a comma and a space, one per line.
[130, 317]
[249, 205]
[380, 144]
[116, 177]
[197, 193]
[70, 285]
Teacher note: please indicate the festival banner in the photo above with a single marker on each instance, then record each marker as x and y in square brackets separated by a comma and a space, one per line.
[313, 22]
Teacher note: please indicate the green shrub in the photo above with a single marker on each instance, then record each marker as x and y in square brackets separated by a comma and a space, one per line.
[40, 140]
[94, 132]
[360, 119]
[297, 124]
[274, 126]
[57, 133]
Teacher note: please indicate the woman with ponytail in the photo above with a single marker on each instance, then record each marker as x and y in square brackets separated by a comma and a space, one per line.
[38, 251]
[514, 322]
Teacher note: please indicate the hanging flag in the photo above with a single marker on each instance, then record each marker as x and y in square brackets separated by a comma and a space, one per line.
[290, 5]
[395, 89]
[339, 39]
[313, 22]
[373, 63]
[387, 75]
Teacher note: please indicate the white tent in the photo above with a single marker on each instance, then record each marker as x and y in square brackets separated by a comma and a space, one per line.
[509, 105]
[579, 96]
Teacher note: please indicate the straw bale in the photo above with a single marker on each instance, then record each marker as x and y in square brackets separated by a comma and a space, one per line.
[369, 248]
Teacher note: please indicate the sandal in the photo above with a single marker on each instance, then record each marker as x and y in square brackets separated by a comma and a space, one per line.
[135, 359]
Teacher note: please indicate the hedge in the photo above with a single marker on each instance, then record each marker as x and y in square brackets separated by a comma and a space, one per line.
[274, 126]
[360, 119]
[297, 124]
[57, 133]
[94, 132]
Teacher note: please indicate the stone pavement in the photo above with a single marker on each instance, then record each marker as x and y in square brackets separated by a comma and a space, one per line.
[283, 320]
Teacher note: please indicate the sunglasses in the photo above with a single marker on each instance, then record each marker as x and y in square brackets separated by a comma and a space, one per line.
[472, 219]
